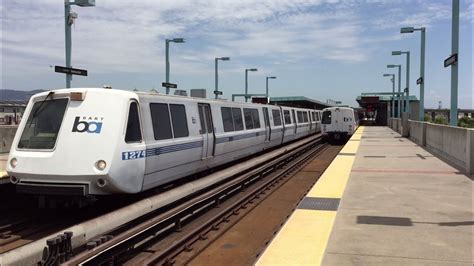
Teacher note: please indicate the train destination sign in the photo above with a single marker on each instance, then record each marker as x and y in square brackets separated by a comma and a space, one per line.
[419, 81]
[453, 59]
[169, 85]
[70, 70]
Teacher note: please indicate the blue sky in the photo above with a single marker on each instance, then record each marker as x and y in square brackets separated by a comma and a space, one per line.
[321, 49]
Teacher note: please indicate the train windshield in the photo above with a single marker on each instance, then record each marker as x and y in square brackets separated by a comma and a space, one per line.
[326, 117]
[43, 124]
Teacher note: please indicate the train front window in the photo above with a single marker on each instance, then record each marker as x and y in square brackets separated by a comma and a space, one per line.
[326, 117]
[43, 124]
[133, 133]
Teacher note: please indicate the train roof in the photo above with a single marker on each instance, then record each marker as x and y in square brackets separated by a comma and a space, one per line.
[338, 107]
[151, 95]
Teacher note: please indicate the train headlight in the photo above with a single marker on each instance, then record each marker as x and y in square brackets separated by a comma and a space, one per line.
[13, 162]
[100, 164]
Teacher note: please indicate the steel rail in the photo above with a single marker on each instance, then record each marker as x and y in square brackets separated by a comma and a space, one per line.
[173, 218]
[166, 256]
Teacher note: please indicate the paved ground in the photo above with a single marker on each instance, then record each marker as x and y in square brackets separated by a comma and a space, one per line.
[402, 206]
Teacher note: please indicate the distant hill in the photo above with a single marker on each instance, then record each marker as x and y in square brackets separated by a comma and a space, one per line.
[17, 95]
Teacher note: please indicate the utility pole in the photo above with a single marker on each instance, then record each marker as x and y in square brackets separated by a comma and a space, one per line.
[454, 67]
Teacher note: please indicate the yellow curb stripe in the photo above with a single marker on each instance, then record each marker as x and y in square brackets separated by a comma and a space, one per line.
[3, 174]
[304, 237]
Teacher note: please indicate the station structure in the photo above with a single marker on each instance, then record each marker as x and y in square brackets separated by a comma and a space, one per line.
[399, 192]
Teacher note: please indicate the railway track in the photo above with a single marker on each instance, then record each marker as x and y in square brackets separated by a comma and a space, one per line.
[162, 237]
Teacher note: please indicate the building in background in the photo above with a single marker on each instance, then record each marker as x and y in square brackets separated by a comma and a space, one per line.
[11, 111]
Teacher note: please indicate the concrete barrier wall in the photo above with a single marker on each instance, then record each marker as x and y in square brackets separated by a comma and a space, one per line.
[449, 142]
[7, 133]
[396, 124]
[454, 144]
[417, 132]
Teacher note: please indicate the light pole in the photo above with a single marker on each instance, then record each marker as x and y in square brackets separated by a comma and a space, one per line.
[399, 85]
[393, 91]
[407, 99]
[69, 18]
[267, 78]
[216, 87]
[454, 67]
[246, 81]
[422, 67]
[167, 58]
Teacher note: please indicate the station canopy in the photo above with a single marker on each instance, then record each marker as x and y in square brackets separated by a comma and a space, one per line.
[299, 101]
[365, 100]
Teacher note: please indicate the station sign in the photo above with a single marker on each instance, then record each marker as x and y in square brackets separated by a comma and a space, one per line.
[169, 85]
[218, 92]
[453, 59]
[369, 99]
[261, 100]
[70, 70]
[419, 80]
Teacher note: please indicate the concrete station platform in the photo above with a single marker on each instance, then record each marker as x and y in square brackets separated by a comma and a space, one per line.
[401, 206]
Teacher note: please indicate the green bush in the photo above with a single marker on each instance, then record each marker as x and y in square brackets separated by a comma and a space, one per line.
[439, 119]
[466, 122]
[427, 118]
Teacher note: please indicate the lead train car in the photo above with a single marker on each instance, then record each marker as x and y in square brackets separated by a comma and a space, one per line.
[102, 141]
[339, 123]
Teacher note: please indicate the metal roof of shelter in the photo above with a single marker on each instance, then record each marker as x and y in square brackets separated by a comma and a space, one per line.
[385, 98]
[299, 101]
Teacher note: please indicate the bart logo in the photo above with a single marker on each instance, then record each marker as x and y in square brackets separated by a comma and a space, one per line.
[87, 126]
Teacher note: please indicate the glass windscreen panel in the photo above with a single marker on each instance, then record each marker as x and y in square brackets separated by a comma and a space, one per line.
[43, 124]
[326, 117]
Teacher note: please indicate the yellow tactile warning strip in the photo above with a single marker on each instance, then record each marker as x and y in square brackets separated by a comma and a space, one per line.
[3, 174]
[304, 237]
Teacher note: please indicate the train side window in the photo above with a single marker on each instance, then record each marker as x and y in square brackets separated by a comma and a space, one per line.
[248, 118]
[294, 116]
[180, 123]
[133, 133]
[276, 117]
[160, 119]
[287, 116]
[255, 118]
[227, 119]
[305, 117]
[238, 121]
[300, 117]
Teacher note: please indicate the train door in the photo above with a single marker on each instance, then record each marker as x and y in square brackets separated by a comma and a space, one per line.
[207, 130]
[294, 120]
[268, 130]
[310, 121]
[339, 120]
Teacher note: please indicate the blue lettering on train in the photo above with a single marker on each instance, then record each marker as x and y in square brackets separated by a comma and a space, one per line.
[86, 126]
[132, 155]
